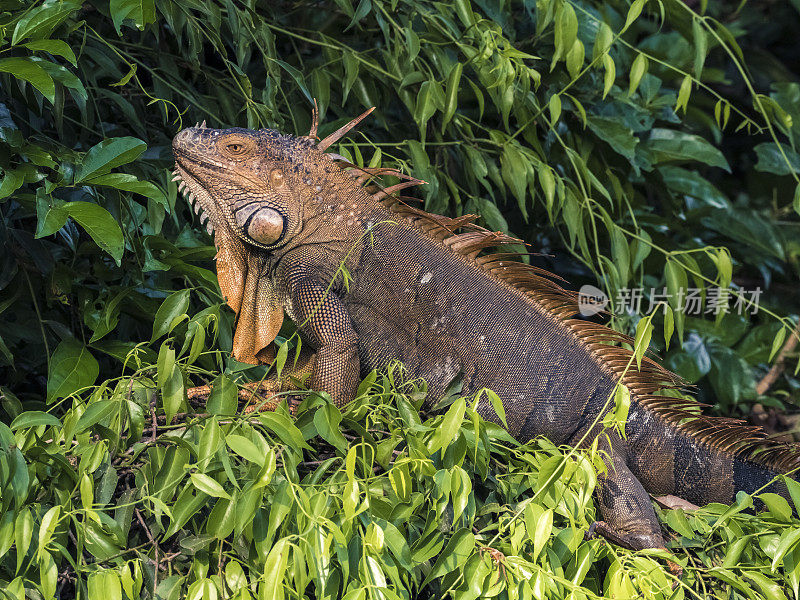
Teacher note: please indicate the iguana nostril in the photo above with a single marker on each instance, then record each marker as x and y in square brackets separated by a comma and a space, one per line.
[183, 136]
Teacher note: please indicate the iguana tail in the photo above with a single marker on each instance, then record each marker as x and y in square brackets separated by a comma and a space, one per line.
[700, 459]
[705, 459]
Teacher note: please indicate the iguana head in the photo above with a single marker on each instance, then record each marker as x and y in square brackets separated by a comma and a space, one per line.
[244, 183]
[261, 191]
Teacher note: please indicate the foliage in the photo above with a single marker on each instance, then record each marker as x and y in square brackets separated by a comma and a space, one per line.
[375, 502]
[650, 143]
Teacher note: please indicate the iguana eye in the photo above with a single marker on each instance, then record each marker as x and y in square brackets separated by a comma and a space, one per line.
[236, 148]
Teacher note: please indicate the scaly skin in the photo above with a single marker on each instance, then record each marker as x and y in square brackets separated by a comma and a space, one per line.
[287, 217]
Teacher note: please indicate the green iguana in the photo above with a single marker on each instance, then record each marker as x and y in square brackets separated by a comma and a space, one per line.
[422, 290]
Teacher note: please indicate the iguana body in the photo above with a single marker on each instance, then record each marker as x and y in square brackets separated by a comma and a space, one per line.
[287, 217]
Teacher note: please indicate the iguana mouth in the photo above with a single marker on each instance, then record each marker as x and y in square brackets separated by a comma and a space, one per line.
[195, 194]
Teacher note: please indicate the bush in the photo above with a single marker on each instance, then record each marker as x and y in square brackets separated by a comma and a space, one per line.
[647, 145]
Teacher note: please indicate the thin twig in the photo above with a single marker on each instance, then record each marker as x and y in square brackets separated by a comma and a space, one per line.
[780, 363]
[38, 315]
[155, 546]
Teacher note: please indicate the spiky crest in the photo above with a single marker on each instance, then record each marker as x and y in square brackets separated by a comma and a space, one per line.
[649, 384]
[342, 131]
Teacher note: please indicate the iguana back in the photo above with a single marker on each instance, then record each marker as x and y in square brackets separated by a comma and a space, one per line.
[370, 280]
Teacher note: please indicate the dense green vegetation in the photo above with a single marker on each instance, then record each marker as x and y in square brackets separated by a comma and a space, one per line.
[638, 144]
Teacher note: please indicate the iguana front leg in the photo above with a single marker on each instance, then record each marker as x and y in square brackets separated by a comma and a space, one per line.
[323, 321]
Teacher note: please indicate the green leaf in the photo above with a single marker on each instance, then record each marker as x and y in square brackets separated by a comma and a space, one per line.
[677, 283]
[224, 397]
[565, 33]
[669, 325]
[327, 420]
[451, 95]
[769, 588]
[281, 357]
[644, 332]
[272, 586]
[141, 12]
[777, 343]
[454, 555]
[41, 22]
[615, 133]
[12, 181]
[497, 405]
[107, 155]
[30, 71]
[245, 448]
[602, 41]
[548, 183]
[620, 252]
[350, 73]
[47, 526]
[791, 567]
[129, 183]
[55, 47]
[412, 43]
[610, 74]
[747, 227]
[23, 531]
[692, 361]
[633, 13]
[672, 145]
[730, 376]
[6, 532]
[544, 526]
[777, 505]
[450, 425]
[105, 584]
[622, 405]
[788, 541]
[95, 412]
[172, 308]
[574, 58]
[554, 106]
[222, 520]
[72, 367]
[638, 69]
[208, 486]
[693, 184]
[185, 507]
[401, 484]
[99, 224]
[514, 169]
[429, 98]
[48, 576]
[796, 201]
[684, 93]
[771, 159]
[211, 440]
[284, 428]
[173, 392]
[700, 46]
[34, 418]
